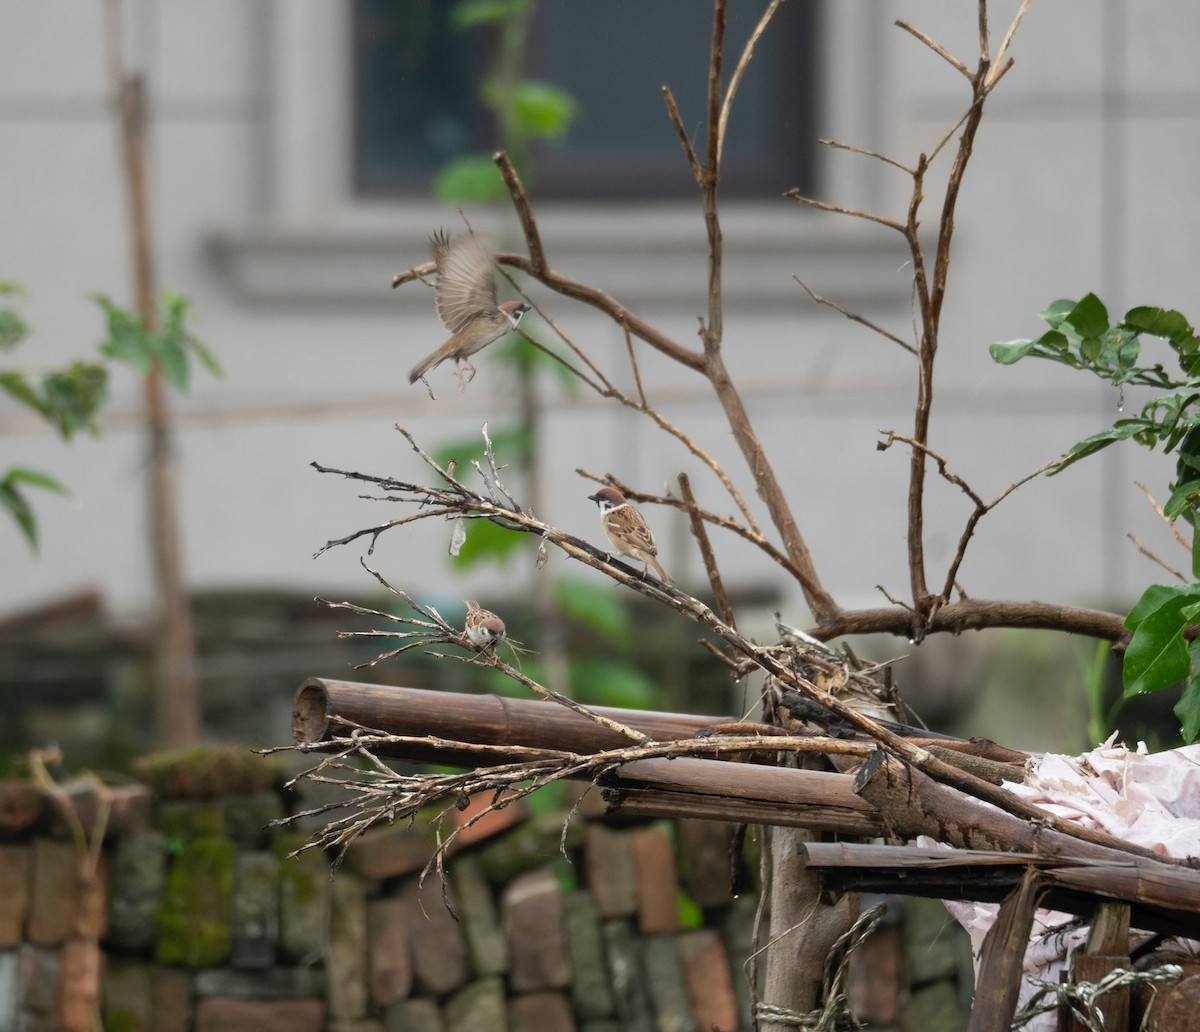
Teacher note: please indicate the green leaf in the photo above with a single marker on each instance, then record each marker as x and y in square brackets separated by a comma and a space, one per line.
[1160, 322]
[73, 396]
[611, 683]
[172, 360]
[1121, 430]
[510, 446]
[1089, 317]
[1006, 352]
[1187, 709]
[14, 502]
[11, 288]
[127, 339]
[13, 329]
[598, 607]
[1183, 497]
[474, 179]
[18, 385]
[1157, 655]
[472, 13]
[1055, 312]
[542, 110]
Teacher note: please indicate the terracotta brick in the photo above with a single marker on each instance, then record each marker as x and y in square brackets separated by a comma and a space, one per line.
[389, 852]
[54, 908]
[79, 984]
[532, 915]
[220, 1014]
[876, 977]
[439, 948]
[389, 952]
[16, 875]
[540, 1012]
[491, 824]
[709, 979]
[704, 860]
[657, 881]
[611, 876]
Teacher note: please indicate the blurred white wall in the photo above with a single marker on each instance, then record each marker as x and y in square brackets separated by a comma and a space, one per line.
[1083, 179]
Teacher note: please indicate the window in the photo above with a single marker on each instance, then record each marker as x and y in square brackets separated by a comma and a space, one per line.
[417, 78]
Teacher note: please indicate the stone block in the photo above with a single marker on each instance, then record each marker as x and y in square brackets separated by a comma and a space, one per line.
[304, 888]
[626, 969]
[10, 993]
[704, 861]
[439, 948]
[255, 910]
[137, 882]
[480, 1005]
[346, 957]
[140, 997]
[196, 920]
[657, 881]
[279, 983]
[390, 851]
[709, 979]
[737, 931]
[931, 938]
[220, 1014]
[611, 872]
[170, 1000]
[389, 950]
[247, 817]
[667, 985]
[540, 1012]
[533, 920]
[591, 991]
[487, 946]
[935, 1006]
[414, 1015]
[16, 875]
[603, 1025]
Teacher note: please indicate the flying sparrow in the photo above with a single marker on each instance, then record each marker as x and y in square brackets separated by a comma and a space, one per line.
[627, 530]
[484, 629]
[465, 297]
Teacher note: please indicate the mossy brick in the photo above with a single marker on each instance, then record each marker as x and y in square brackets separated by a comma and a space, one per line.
[171, 1000]
[479, 1005]
[16, 875]
[128, 1004]
[346, 954]
[931, 939]
[416, 1015]
[709, 979]
[38, 974]
[276, 983]
[611, 872]
[304, 888]
[532, 914]
[389, 951]
[439, 948]
[591, 990]
[667, 984]
[626, 969]
[601, 1025]
[487, 945]
[391, 851]
[532, 844]
[181, 819]
[205, 772]
[704, 860]
[247, 818]
[196, 919]
[657, 881]
[137, 881]
[10, 995]
[220, 1014]
[255, 910]
[935, 1006]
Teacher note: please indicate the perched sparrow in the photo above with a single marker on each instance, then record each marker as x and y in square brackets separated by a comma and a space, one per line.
[485, 629]
[466, 303]
[627, 530]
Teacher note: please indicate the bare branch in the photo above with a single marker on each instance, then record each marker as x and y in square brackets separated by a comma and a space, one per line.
[710, 560]
[937, 48]
[684, 140]
[740, 70]
[1155, 559]
[855, 317]
[516, 190]
[867, 154]
[796, 195]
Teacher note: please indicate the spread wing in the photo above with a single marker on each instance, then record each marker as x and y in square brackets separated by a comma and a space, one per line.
[466, 282]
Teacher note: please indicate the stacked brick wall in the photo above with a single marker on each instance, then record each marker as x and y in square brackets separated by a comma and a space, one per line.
[193, 916]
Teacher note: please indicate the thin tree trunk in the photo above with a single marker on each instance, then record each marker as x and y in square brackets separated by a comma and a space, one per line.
[177, 703]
